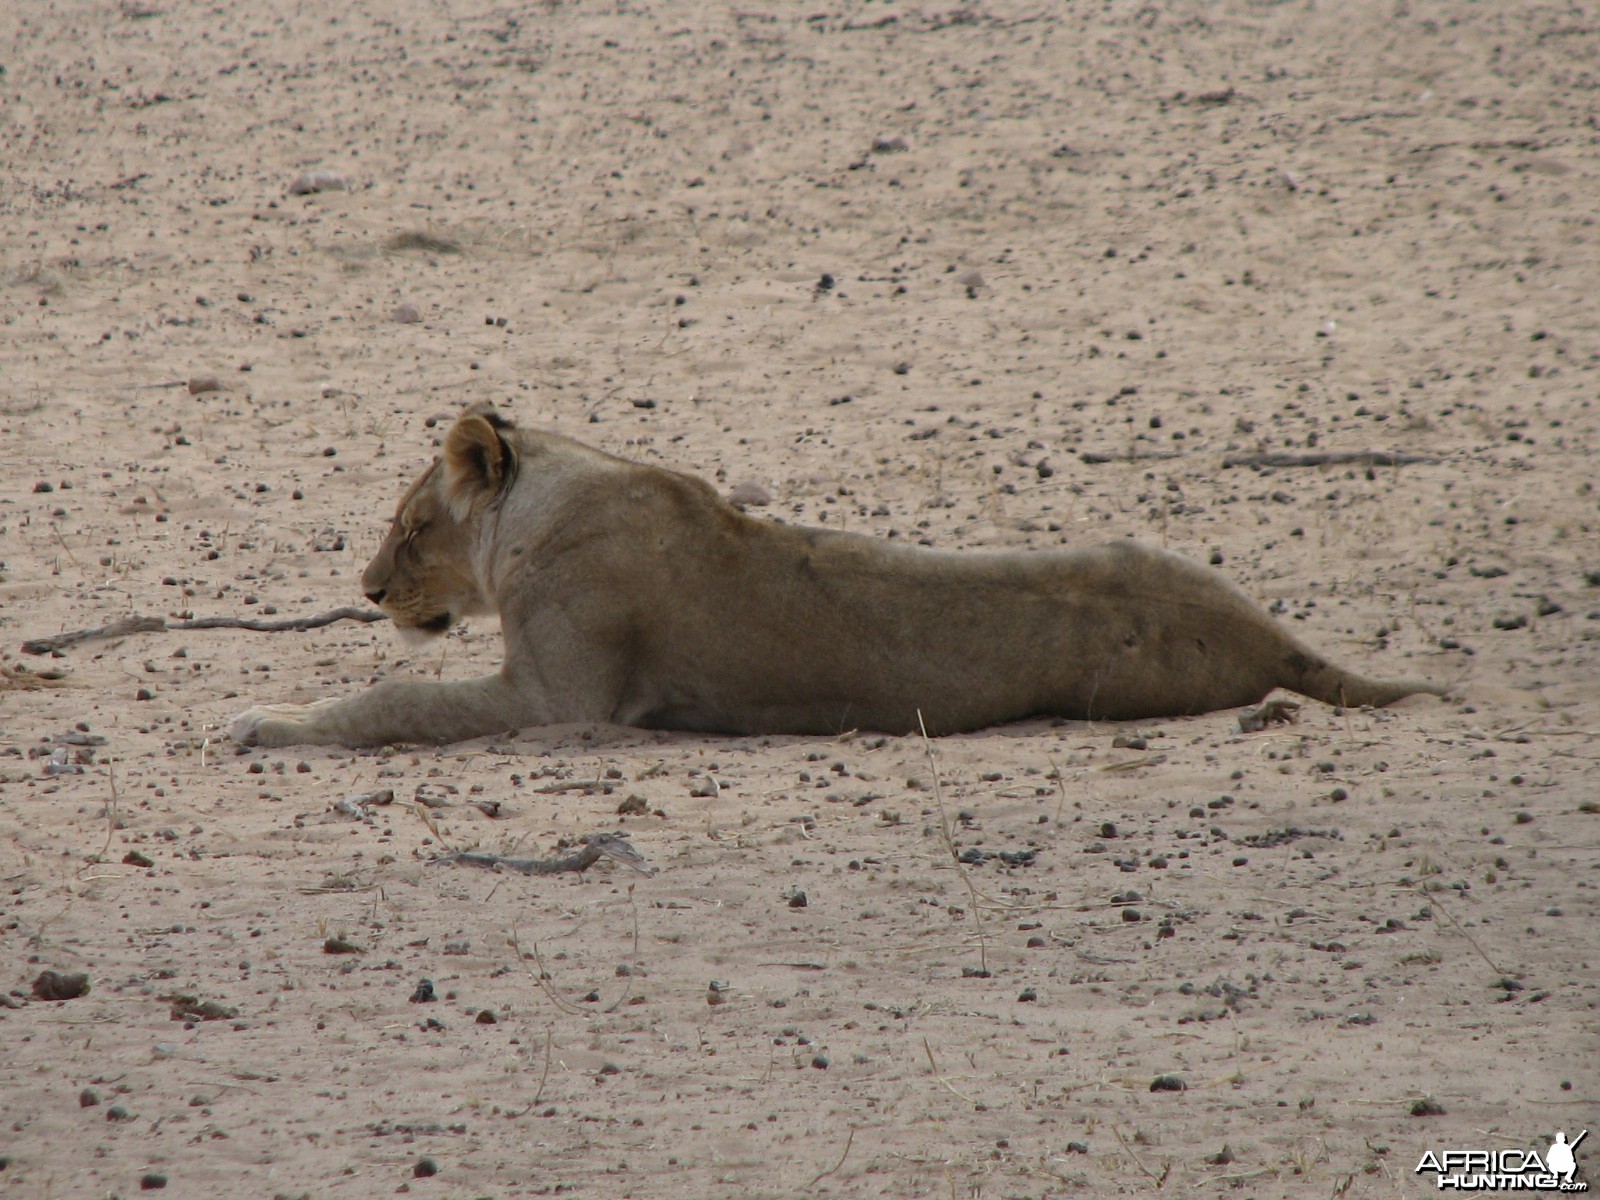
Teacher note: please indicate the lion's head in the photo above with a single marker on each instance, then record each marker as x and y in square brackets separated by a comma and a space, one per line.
[423, 574]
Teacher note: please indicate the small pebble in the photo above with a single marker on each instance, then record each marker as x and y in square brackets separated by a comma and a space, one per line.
[204, 383]
[152, 1181]
[88, 1098]
[425, 1167]
[59, 985]
[406, 313]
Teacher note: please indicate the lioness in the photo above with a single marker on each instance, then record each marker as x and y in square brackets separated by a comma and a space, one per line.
[637, 595]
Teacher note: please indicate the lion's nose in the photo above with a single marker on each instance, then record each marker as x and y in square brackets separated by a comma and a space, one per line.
[377, 595]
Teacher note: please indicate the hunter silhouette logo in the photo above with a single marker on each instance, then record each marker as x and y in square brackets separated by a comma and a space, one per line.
[1560, 1159]
[1508, 1170]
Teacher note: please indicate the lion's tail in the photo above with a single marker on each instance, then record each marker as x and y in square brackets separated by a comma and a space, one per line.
[1321, 680]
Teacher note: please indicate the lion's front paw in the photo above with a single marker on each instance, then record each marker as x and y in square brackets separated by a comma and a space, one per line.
[275, 725]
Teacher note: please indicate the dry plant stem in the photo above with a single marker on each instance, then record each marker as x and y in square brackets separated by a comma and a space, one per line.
[549, 1034]
[943, 1082]
[111, 812]
[549, 1038]
[56, 529]
[633, 906]
[1433, 899]
[543, 980]
[1061, 786]
[1159, 1180]
[821, 1175]
[130, 625]
[426, 818]
[950, 848]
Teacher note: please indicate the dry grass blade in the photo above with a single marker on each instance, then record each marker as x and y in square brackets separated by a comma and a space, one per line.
[1432, 898]
[950, 847]
[943, 1082]
[821, 1175]
[1159, 1180]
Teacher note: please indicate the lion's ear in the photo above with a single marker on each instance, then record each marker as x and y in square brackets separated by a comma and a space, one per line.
[487, 410]
[478, 462]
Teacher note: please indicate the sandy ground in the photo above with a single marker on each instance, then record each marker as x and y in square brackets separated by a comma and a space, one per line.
[1004, 274]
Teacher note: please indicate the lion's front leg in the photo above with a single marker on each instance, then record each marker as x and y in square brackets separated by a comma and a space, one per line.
[402, 710]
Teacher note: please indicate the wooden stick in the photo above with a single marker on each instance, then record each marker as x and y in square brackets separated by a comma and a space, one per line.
[129, 625]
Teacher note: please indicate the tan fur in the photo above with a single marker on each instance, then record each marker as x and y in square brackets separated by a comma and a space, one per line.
[636, 595]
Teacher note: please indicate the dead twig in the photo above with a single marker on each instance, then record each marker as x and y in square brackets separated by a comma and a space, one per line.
[129, 625]
[1329, 458]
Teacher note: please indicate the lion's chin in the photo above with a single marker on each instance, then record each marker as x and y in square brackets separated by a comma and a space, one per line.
[416, 632]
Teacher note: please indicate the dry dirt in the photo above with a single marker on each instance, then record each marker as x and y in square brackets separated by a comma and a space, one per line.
[1004, 274]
